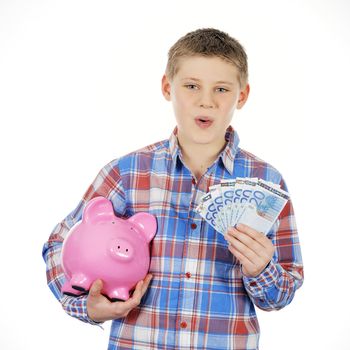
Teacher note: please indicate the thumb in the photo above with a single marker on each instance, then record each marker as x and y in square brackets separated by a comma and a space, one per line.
[95, 289]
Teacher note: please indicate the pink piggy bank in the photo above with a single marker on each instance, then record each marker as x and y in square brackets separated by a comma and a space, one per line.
[103, 246]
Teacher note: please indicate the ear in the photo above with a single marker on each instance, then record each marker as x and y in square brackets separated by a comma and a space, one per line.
[147, 223]
[166, 88]
[98, 209]
[243, 96]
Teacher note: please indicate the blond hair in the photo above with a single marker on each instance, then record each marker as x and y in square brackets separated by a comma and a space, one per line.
[208, 42]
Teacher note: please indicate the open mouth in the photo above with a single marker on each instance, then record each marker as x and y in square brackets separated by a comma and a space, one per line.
[203, 122]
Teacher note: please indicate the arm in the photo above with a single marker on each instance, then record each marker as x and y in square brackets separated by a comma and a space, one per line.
[272, 268]
[107, 184]
[74, 306]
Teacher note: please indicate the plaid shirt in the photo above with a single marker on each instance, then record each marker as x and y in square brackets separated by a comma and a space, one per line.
[198, 297]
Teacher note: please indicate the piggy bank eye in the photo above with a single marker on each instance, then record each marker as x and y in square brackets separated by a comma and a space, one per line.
[113, 222]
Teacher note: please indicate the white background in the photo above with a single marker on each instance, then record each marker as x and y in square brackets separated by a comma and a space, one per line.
[80, 86]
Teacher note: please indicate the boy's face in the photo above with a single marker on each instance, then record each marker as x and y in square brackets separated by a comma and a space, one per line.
[205, 93]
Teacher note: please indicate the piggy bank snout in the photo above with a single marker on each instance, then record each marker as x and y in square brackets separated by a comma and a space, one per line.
[121, 249]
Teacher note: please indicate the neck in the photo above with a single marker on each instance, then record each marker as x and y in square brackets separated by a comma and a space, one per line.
[199, 157]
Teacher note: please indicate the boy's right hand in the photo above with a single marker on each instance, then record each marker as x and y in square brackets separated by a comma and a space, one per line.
[100, 309]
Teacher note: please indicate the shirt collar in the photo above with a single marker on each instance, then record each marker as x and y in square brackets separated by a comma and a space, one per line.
[174, 145]
[229, 152]
[227, 155]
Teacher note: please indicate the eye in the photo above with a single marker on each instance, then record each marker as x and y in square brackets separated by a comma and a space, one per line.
[191, 86]
[221, 89]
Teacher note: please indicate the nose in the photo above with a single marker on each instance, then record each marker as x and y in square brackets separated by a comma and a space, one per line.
[121, 250]
[206, 100]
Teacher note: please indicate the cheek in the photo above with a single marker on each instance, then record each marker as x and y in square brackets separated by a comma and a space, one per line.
[229, 108]
[229, 102]
[181, 104]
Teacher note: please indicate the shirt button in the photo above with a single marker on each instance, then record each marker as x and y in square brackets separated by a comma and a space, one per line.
[193, 181]
[193, 226]
[183, 324]
[188, 274]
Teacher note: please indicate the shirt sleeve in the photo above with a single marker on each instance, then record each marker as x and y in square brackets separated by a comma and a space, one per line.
[107, 184]
[275, 287]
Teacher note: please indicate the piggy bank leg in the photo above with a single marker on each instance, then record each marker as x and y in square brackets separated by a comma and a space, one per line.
[80, 282]
[68, 290]
[118, 294]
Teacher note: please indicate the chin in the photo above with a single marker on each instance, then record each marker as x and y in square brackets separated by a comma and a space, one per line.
[202, 140]
[201, 137]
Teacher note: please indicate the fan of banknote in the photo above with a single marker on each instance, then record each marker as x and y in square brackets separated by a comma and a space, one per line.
[250, 201]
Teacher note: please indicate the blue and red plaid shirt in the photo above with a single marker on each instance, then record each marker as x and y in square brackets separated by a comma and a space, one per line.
[198, 297]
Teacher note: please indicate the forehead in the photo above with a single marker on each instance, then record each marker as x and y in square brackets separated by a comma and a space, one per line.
[210, 69]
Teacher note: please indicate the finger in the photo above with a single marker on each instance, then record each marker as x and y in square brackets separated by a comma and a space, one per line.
[134, 301]
[247, 240]
[124, 307]
[95, 289]
[243, 250]
[242, 258]
[146, 283]
[258, 236]
[257, 258]
[138, 293]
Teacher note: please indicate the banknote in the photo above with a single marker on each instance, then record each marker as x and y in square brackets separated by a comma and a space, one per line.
[251, 201]
[227, 192]
[263, 207]
[217, 199]
[244, 189]
[206, 209]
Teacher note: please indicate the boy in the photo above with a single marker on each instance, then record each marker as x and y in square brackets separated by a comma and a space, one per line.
[202, 286]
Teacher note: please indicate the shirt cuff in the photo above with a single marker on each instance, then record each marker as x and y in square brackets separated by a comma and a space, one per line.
[268, 277]
[77, 307]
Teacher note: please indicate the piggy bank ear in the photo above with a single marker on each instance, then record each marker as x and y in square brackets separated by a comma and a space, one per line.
[147, 223]
[98, 209]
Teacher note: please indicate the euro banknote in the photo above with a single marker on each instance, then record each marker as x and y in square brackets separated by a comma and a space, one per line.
[251, 201]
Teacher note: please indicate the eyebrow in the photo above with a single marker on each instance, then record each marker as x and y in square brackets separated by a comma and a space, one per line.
[217, 82]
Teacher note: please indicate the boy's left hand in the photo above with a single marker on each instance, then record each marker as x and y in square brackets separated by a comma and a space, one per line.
[252, 248]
